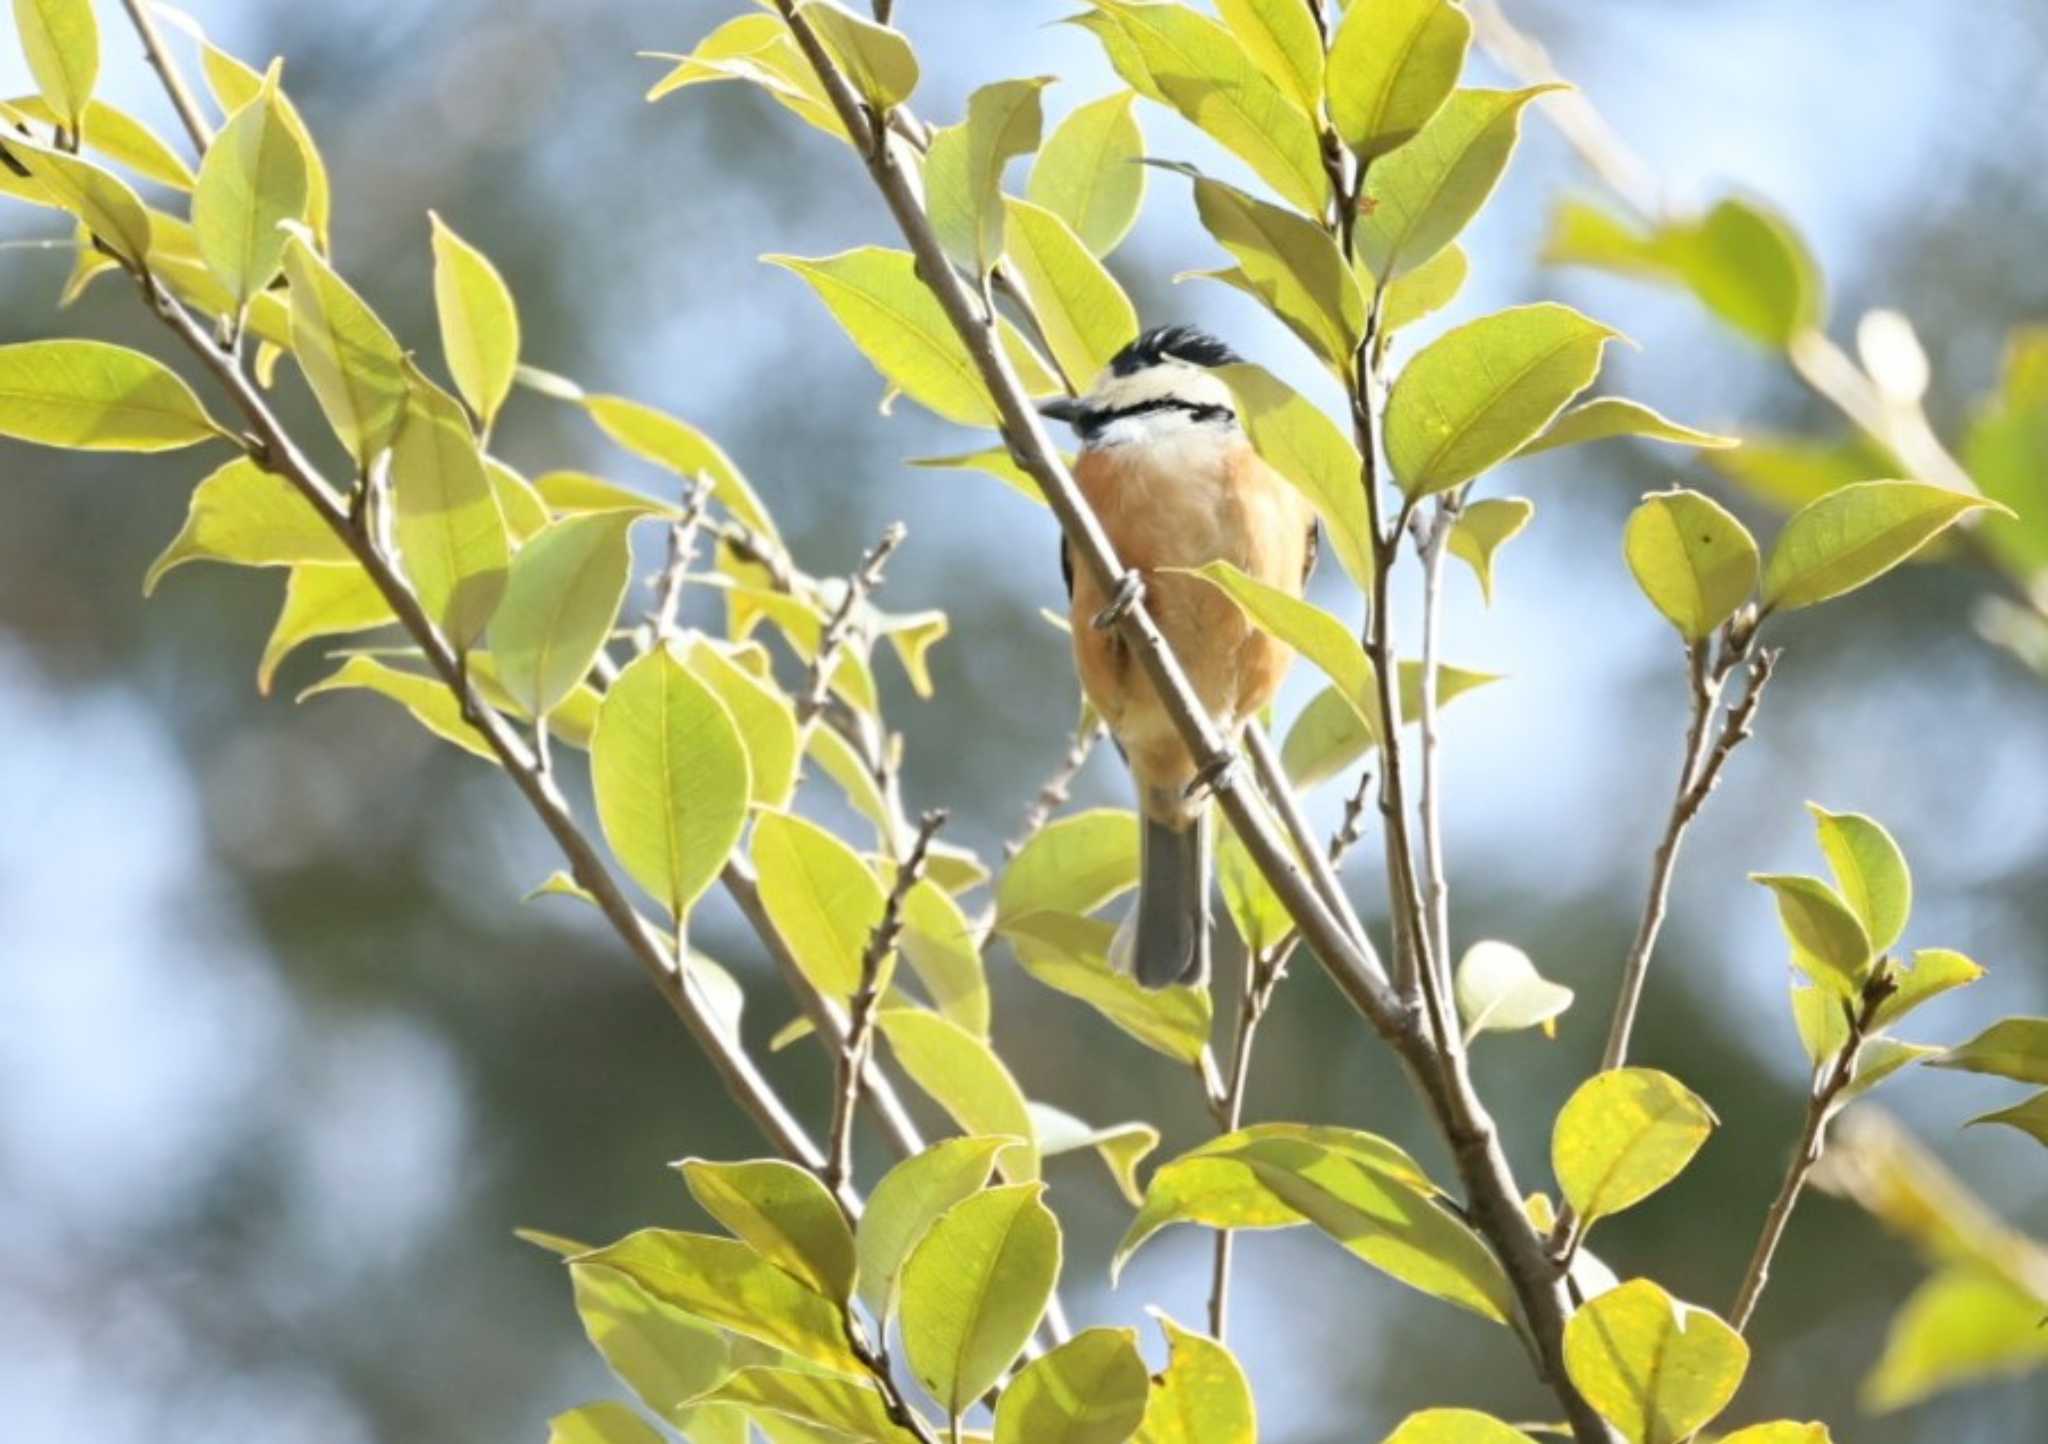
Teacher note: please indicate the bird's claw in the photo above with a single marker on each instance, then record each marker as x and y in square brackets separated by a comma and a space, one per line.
[1210, 776]
[1130, 590]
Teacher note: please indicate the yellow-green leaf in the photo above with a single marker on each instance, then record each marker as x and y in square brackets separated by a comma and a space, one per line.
[1090, 1390]
[1622, 1136]
[1455, 1426]
[524, 509]
[1083, 312]
[1282, 40]
[974, 1289]
[2029, 1117]
[842, 1409]
[1605, 417]
[90, 396]
[963, 170]
[1420, 197]
[99, 198]
[252, 178]
[766, 721]
[1474, 396]
[1870, 871]
[1298, 440]
[1656, 1368]
[1075, 864]
[1087, 172]
[1934, 971]
[944, 950]
[1500, 991]
[1202, 1398]
[451, 535]
[62, 42]
[784, 1213]
[1855, 535]
[877, 59]
[479, 322]
[2015, 1048]
[432, 705]
[1482, 529]
[1120, 1146]
[671, 442]
[670, 775]
[908, 1200]
[1828, 941]
[1695, 562]
[244, 515]
[1393, 64]
[728, 1284]
[997, 462]
[1071, 954]
[1782, 1431]
[1960, 1327]
[760, 49]
[962, 1074]
[321, 601]
[561, 600]
[823, 899]
[1303, 626]
[1329, 735]
[1291, 262]
[601, 1424]
[119, 136]
[1750, 268]
[665, 1356]
[350, 358]
[1425, 290]
[567, 492]
[234, 85]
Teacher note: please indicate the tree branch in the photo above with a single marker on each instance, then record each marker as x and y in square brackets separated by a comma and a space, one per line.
[1433, 543]
[1052, 796]
[182, 99]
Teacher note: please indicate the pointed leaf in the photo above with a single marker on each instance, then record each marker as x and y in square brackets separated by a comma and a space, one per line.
[479, 322]
[786, 1215]
[62, 42]
[451, 534]
[567, 492]
[234, 85]
[1482, 529]
[974, 1290]
[843, 1408]
[963, 1075]
[1303, 626]
[350, 359]
[1281, 38]
[244, 515]
[119, 136]
[1828, 942]
[601, 1424]
[963, 171]
[101, 199]
[1500, 991]
[90, 396]
[1329, 735]
[1425, 290]
[665, 1356]
[1455, 1426]
[1083, 312]
[1087, 172]
[944, 950]
[877, 59]
[1120, 1146]
[1622, 1136]
[2014, 1048]
[1291, 262]
[1393, 64]
[673, 443]
[1695, 562]
[823, 899]
[766, 721]
[1934, 971]
[1870, 871]
[1297, 439]
[1202, 1398]
[1605, 417]
[561, 599]
[905, 1204]
[252, 178]
[1090, 1390]
[2029, 1117]
[1071, 953]
[1877, 1060]
[432, 705]
[1960, 1327]
[321, 601]
[997, 462]
[1656, 1368]
[1075, 864]
[1856, 534]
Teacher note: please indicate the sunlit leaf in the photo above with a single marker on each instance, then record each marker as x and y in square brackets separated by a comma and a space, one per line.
[997, 462]
[1500, 991]
[843, 1408]
[90, 396]
[321, 601]
[1202, 1398]
[1082, 311]
[1329, 735]
[1120, 1146]
[670, 775]
[877, 59]
[451, 534]
[99, 198]
[1090, 1390]
[524, 509]
[962, 1074]
[1606, 417]
[671, 442]
[823, 899]
[1075, 864]
[119, 136]
[1483, 527]
[1087, 172]
[432, 705]
[1877, 1060]
[1856, 534]
[944, 950]
[1656, 1368]
[784, 1213]
[1787, 472]
[1292, 263]
[1425, 290]
[1749, 267]
[561, 601]
[1695, 562]
[766, 721]
[252, 178]
[1782, 1431]
[760, 49]
[1455, 1426]
[665, 1356]
[1622, 1136]
[1393, 64]
[2029, 1117]
[1297, 439]
[1960, 1327]
[244, 515]
[1281, 38]
[2014, 1048]
[479, 322]
[566, 492]
[601, 1424]
[1869, 870]
[1305, 627]
[1256, 911]
[963, 171]
[1474, 396]
[234, 85]
[62, 42]
[1071, 953]
[1828, 942]
[908, 1200]
[974, 1289]
[1934, 971]
[349, 357]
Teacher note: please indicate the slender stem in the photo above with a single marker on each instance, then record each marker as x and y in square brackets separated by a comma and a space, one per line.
[1058, 787]
[845, 621]
[1435, 883]
[1273, 778]
[1262, 975]
[182, 99]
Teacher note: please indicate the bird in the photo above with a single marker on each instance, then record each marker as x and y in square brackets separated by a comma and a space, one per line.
[1166, 465]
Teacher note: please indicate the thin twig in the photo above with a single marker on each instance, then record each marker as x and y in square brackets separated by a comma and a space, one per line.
[182, 99]
[682, 546]
[1263, 971]
[1058, 787]
[1436, 892]
[845, 620]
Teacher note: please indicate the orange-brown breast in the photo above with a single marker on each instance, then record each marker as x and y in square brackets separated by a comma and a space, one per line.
[1184, 504]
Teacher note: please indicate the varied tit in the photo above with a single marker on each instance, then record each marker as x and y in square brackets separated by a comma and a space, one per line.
[1169, 471]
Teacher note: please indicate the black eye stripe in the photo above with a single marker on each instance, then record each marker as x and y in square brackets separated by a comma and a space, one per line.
[1092, 423]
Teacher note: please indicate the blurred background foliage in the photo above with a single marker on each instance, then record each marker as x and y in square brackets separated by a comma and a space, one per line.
[284, 1061]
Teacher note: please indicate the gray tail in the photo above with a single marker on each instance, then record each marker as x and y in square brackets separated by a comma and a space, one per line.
[1172, 943]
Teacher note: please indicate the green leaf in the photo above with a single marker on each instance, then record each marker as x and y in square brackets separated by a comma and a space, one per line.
[1960, 1327]
[1303, 626]
[1622, 1136]
[62, 42]
[1934, 971]
[252, 178]
[243, 515]
[1083, 312]
[1750, 268]
[1282, 40]
[2029, 1117]
[766, 721]
[908, 1200]
[1473, 397]
[2014, 1048]
[1787, 472]
[451, 534]
[1196, 66]
[1818, 1014]
[1828, 942]
[974, 1289]
[321, 601]
[479, 322]
[1071, 954]
[944, 950]
[1120, 1146]
[758, 48]
[234, 85]
[119, 136]
[1695, 562]
[671, 442]
[1656, 1368]
[837, 760]
[524, 509]
[1329, 735]
[1090, 1390]
[1583, 234]
[432, 705]
[1455, 1426]
[843, 1408]
[90, 396]
[1606, 417]
[963, 170]
[1782, 1431]
[1298, 440]
[568, 492]
[877, 59]
[1202, 1398]
[99, 198]
[1482, 529]
[997, 462]
[1419, 198]
[350, 359]
[1500, 991]
[1088, 174]
[2006, 451]
[727, 1283]
[561, 600]
[1425, 290]
[666, 1356]
[1075, 864]
[1256, 911]
[1876, 1061]
[670, 775]
[601, 1424]
[962, 1074]
[823, 899]
[1870, 871]
[1393, 64]
[1856, 534]
[784, 1213]
[1291, 262]
[899, 326]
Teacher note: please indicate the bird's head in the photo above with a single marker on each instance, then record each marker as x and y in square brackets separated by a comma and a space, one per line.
[1163, 382]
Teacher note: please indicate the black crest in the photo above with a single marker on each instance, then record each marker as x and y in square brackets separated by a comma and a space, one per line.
[1190, 344]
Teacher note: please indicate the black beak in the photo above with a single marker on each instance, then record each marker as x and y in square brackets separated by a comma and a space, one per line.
[1061, 408]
